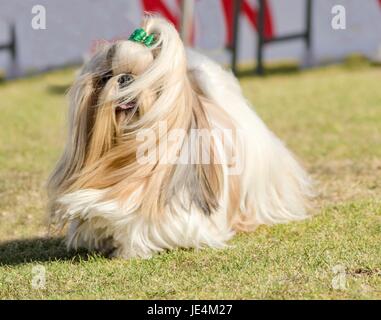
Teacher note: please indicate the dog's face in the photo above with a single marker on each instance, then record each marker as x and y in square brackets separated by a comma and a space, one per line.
[113, 71]
[110, 97]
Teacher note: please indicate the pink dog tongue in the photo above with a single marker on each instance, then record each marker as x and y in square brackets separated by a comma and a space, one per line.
[126, 106]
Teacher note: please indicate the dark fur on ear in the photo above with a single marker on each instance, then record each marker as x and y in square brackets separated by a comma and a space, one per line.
[201, 181]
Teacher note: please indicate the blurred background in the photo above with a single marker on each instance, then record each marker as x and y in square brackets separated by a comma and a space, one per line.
[319, 91]
[45, 34]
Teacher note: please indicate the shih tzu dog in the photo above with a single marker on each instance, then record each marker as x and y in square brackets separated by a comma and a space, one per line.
[164, 151]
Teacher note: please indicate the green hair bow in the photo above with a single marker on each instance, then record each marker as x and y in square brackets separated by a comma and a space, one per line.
[139, 35]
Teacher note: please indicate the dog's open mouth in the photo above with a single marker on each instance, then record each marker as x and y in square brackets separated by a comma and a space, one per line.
[126, 107]
[125, 111]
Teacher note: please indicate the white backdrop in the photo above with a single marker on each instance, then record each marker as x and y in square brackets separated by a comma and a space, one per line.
[73, 26]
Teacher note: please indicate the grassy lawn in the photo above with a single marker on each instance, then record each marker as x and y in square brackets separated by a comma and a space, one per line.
[330, 117]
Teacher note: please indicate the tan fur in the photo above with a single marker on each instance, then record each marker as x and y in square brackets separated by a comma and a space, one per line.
[111, 200]
[108, 146]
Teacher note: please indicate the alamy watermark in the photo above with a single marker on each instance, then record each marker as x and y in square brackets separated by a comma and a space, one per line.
[339, 19]
[195, 146]
[339, 280]
[38, 277]
[39, 17]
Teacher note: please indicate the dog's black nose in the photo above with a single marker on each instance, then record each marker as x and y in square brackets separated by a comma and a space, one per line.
[124, 80]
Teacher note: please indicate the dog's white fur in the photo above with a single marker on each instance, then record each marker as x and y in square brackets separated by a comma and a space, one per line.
[272, 186]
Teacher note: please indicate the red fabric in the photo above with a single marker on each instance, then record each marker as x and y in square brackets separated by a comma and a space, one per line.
[160, 7]
[252, 15]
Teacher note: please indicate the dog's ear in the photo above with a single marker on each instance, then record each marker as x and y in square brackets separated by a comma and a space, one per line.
[206, 185]
[81, 97]
[202, 175]
[103, 124]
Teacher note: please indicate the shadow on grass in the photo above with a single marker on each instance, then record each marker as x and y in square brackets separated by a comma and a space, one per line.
[37, 250]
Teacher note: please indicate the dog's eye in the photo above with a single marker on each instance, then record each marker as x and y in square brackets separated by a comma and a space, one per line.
[125, 79]
[106, 77]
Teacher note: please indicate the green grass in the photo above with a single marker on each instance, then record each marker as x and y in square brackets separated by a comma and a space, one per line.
[330, 117]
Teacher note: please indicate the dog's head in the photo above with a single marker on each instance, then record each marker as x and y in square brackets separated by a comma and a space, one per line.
[126, 86]
[124, 89]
